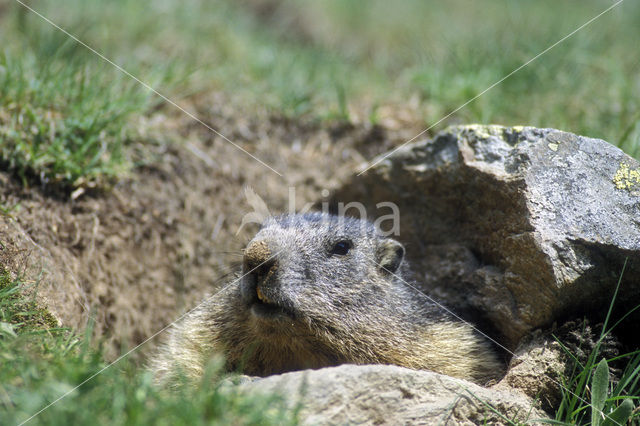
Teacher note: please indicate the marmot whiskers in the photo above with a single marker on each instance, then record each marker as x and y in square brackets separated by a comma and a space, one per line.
[319, 290]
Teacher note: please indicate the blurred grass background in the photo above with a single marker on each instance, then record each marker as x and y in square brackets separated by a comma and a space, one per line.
[64, 112]
[68, 119]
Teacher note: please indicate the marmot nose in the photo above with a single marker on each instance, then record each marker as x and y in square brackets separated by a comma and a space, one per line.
[259, 261]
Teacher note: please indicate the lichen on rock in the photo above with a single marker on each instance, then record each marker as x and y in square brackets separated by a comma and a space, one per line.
[627, 178]
[502, 226]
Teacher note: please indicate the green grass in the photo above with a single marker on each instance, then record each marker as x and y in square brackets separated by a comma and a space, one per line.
[61, 114]
[66, 115]
[449, 52]
[589, 396]
[39, 363]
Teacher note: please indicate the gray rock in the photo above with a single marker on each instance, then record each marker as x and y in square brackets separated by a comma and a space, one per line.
[537, 370]
[384, 394]
[525, 225]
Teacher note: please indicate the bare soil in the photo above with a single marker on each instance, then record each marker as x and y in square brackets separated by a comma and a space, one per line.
[137, 255]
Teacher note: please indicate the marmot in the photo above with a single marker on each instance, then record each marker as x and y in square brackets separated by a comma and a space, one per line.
[319, 290]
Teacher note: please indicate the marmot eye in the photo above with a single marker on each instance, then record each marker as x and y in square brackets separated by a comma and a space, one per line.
[341, 248]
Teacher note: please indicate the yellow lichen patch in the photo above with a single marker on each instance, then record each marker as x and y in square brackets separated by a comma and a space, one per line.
[626, 178]
[553, 146]
[482, 130]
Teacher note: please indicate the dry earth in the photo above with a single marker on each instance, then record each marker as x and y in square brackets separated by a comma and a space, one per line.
[137, 255]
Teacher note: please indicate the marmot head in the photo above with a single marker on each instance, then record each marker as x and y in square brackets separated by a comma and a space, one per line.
[321, 290]
[304, 273]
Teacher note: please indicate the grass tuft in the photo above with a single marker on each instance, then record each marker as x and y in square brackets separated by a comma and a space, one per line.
[39, 363]
[589, 394]
[63, 115]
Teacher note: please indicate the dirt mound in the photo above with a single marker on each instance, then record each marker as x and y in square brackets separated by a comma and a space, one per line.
[138, 255]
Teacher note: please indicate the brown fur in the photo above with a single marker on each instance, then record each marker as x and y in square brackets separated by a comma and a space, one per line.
[324, 308]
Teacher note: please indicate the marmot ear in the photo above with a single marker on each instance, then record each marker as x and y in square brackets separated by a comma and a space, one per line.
[390, 255]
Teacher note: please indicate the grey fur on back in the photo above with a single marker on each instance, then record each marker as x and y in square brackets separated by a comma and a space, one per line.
[319, 290]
